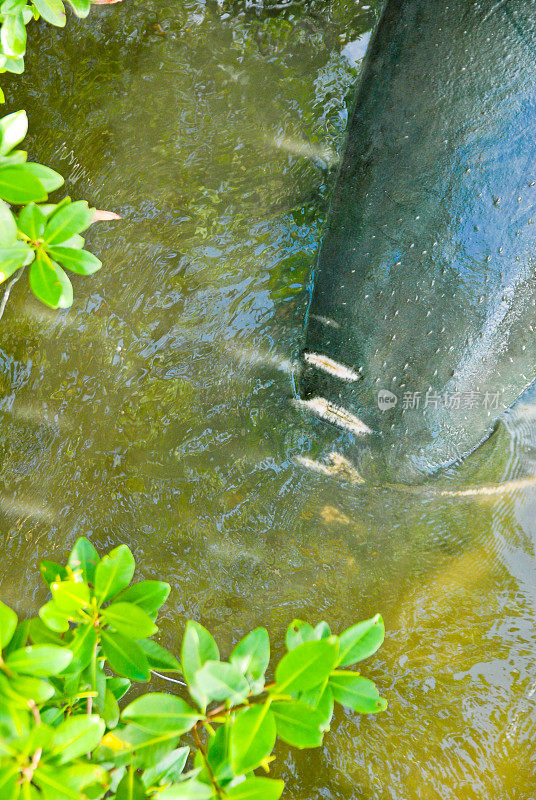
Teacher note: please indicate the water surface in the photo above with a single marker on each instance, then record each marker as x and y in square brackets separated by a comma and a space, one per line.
[157, 411]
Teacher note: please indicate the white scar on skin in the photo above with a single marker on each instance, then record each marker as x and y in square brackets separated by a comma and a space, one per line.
[315, 466]
[325, 321]
[336, 466]
[331, 366]
[335, 414]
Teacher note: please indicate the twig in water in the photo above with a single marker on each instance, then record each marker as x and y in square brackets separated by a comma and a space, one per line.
[8, 289]
[165, 677]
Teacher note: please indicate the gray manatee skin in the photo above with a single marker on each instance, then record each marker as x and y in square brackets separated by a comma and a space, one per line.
[425, 280]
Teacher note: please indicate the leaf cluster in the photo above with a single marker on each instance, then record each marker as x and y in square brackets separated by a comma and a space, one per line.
[44, 236]
[15, 16]
[63, 674]
[40, 235]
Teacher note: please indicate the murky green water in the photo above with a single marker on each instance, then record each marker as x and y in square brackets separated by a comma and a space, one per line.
[158, 410]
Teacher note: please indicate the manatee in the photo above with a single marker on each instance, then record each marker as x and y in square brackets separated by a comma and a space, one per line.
[420, 329]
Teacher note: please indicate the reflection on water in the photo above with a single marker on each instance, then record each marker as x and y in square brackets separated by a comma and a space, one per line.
[158, 410]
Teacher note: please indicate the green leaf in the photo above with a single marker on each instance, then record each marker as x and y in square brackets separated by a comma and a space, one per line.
[8, 226]
[39, 736]
[8, 624]
[67, 220]
[14, 65]
[111, 711]
[75, 241]
[321, 700]
[41, 634]
[125, 656]
[130, 620]
[12, 6]
[256, 789]
[149, 595]
[11, 259]
[159, 658]
[9, 782]
[32, 222]
[298, 724]
[319, 697]
[54, 618]
[96, 677]
[307, 665]
[130, 787]
[51, 208]
[51, 10]
[361, 641]
[19, 185]
[83, 646]
[114, 573]
[14, 129]
[189, 790]
[70, 597]
[80, 7]
[119, 686]
[198, 647]
[217, 755]
[49, 282]
[252, 656]
[76, 736]
[253, 737]
[168, 769]
[32, 689]
[355, 692]
[91, 777]
[299, 632]
[142, 747]
[40, 660]
[85, 558]
[158, 712]
[53, 785]
[80, 261]
[322, 631]
[50, 179]
[13, 35]
[51, 717]
[20, 637]
[50, 571]
[221, 681]
[15, 157]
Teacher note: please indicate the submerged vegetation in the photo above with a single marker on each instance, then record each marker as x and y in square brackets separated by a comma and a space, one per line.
[63, 735]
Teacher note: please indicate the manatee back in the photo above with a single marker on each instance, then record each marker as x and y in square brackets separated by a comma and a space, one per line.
[424, 285]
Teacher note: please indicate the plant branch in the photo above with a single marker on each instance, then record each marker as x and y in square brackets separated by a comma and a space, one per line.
[35, 712]
[28, 772]
[222, 709]
[201, 749]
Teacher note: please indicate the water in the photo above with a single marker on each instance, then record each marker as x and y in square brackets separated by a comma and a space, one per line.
[157, 411]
